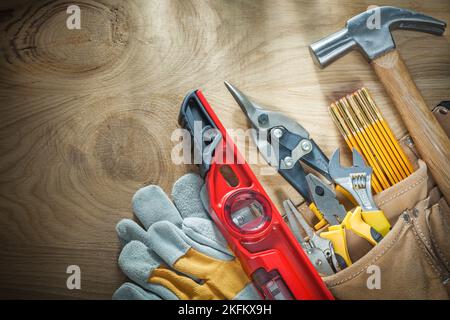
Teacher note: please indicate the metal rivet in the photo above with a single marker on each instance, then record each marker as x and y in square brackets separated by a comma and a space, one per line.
[263, 119]
[406, 217]
[278, 133]
[289, 162]
[319, 191]
[306, 145]
[415, 212]
[318, 262]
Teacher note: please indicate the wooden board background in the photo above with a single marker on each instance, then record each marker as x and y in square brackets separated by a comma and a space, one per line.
[87, 115]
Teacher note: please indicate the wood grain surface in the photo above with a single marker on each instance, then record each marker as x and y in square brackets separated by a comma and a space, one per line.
[87, 115]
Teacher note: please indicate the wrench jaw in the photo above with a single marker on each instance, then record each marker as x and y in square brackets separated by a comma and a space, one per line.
[357, 179]
[335, 169]
[358, 160]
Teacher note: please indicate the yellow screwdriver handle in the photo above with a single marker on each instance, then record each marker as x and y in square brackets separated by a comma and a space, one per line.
[354, 221]
[336, 235]
[322, 222]
[377, 220]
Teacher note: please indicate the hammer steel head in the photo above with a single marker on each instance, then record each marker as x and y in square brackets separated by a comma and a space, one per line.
[370, 32]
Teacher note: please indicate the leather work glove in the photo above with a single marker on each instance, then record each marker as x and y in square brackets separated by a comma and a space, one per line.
[178, 253]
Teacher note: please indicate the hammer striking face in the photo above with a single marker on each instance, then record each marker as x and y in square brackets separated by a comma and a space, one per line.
[372, 39]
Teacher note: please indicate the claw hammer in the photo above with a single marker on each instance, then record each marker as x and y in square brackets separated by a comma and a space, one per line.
[375, 42]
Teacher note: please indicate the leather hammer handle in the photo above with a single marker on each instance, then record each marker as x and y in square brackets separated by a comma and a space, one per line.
[429, 137]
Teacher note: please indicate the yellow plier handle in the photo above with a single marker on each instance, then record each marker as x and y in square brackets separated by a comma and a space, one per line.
[336, 235]
[322, 222]
[377, 220]
[354, 221]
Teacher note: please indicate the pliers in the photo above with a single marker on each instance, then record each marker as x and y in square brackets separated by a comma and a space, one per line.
[325, 200]
[283, 142]
[318, 249]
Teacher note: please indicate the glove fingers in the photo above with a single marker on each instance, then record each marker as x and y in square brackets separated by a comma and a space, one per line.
[138, 263]
[128, 231]
[200, 230]
[205, 232]
[183, 287]
[221, 273]
[130, 291]
[151, 204]
[186, 196]
[170, 244]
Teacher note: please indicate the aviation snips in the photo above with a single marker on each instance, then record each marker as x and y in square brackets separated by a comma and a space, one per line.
[284, 143]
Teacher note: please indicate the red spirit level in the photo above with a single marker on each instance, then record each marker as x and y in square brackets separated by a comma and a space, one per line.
[247, 218]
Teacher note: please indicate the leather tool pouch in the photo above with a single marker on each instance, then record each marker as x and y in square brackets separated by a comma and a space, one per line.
[413, 260]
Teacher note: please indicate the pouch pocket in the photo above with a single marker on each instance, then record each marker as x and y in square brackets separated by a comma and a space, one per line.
[393, 201]
[402, 266]
[438, 223]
